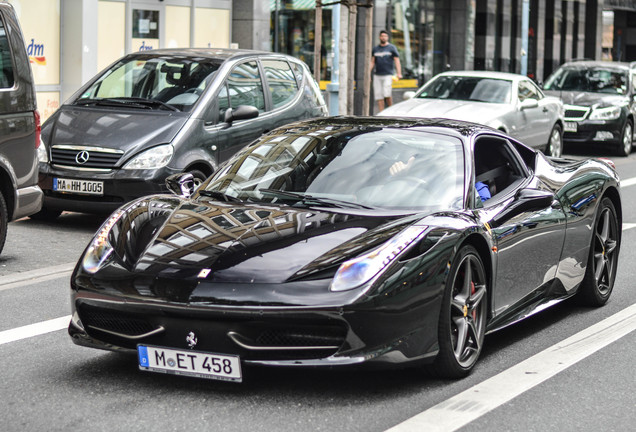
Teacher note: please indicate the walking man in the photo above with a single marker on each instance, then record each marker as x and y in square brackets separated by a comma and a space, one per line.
[383, 58]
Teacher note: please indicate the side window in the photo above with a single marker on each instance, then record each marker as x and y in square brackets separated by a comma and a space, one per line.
[223, 102]
[527, 90]
[245, 87]
[6, 64]
[496, 167]
[280, 81]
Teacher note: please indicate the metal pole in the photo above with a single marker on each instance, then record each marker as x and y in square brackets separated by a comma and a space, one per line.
[344, 57]
[368, 43]
[318, 41]
[353, 20]
[334, 86]
[525, 25]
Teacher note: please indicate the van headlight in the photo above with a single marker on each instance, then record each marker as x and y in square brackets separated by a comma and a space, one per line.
[156, 157]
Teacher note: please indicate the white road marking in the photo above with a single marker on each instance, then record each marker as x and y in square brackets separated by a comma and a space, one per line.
[36, 329]
[627, 226]
[484, 397]
[628, 182]
[17, 280]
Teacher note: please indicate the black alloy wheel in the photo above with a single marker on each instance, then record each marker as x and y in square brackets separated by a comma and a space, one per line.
[601, 266]
[462, 322]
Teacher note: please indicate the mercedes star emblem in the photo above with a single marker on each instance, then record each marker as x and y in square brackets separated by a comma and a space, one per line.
[82, 157]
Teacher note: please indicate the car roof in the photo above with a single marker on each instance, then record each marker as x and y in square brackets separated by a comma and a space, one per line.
[485, 74]
[437, 125]
[210, 53]
[585, 64]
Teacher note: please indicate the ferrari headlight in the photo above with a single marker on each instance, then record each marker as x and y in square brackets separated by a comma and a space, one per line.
[156, 157]
[360, 270]
[609, 113]
[100, 249]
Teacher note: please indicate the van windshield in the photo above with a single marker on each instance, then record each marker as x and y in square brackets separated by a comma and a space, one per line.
[166, 82]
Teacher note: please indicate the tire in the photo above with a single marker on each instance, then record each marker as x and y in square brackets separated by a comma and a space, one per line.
[462, 321]
[600, 273]
[4, 221]
[627, 137]
[555, 143]
[199, 177]
[46, 215]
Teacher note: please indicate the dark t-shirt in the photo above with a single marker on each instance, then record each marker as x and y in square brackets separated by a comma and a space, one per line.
[384, 59]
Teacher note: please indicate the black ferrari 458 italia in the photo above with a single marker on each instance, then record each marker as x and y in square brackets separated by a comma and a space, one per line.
[342, 241]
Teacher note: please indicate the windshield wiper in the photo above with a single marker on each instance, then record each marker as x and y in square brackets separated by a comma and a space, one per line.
[314, 200]
[220, 196]
[153, 103]
[127, 102]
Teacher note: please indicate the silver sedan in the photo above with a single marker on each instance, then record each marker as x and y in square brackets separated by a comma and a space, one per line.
[508, 102]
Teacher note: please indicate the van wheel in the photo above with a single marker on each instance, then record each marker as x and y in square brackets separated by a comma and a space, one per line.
[46, 215]
[199, 177]
[4, 221]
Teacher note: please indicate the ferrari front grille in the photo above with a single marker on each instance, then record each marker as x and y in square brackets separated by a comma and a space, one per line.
[116, 323]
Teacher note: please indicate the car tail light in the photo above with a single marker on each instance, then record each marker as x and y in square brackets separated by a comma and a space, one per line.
[608, 161]
[38, 128]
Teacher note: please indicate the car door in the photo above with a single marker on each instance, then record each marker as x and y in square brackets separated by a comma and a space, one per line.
[535, 119]
[525, 220]
[242, 86]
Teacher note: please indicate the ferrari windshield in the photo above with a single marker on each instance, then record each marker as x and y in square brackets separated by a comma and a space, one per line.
[468, 88]
[151, 82]
[594, 79]
[388, 168]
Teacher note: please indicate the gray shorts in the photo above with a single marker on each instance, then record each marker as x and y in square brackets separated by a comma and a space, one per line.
[382, 86]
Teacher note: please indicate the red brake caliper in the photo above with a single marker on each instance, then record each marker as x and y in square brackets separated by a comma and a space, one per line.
[472, 291]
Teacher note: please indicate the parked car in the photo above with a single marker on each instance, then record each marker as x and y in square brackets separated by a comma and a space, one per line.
[156, 113]
[341, 241]
[19, 126]
[600, 103]
[508, 102]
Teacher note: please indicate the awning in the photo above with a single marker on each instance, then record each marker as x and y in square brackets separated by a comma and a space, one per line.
[296, 4]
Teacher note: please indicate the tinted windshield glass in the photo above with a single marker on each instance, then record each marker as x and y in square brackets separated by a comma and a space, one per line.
[468, 89]
[177, 81]
[597, 79]
[386, 168]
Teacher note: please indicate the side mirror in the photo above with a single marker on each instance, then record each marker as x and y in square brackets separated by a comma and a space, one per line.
[408, 95]
[181, 184]
[529, 103]
[525, 200]
[241, 112]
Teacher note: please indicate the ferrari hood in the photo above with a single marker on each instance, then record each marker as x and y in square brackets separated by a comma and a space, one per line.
[581, 98]
[479, 112]
[221, 242]
[130, 130]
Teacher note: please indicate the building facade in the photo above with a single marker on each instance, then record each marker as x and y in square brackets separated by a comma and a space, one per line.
[69, 41]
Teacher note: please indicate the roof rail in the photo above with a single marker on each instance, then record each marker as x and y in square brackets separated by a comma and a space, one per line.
[582, 59]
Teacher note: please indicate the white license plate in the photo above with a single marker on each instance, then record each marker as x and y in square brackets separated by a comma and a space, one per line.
[86, 187]
[191, 363]
[570, 127]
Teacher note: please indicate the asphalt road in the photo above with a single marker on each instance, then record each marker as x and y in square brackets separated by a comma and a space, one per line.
[50, 384]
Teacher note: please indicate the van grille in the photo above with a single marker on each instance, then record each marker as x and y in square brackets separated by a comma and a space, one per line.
[93, 157]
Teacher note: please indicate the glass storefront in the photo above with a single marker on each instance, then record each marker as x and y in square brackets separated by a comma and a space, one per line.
[415, 27]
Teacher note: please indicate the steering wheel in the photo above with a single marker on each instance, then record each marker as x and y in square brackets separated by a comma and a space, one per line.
[195, 90]
[420, 182]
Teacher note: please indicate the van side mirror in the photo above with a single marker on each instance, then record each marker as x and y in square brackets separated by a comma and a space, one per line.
[241, 112]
